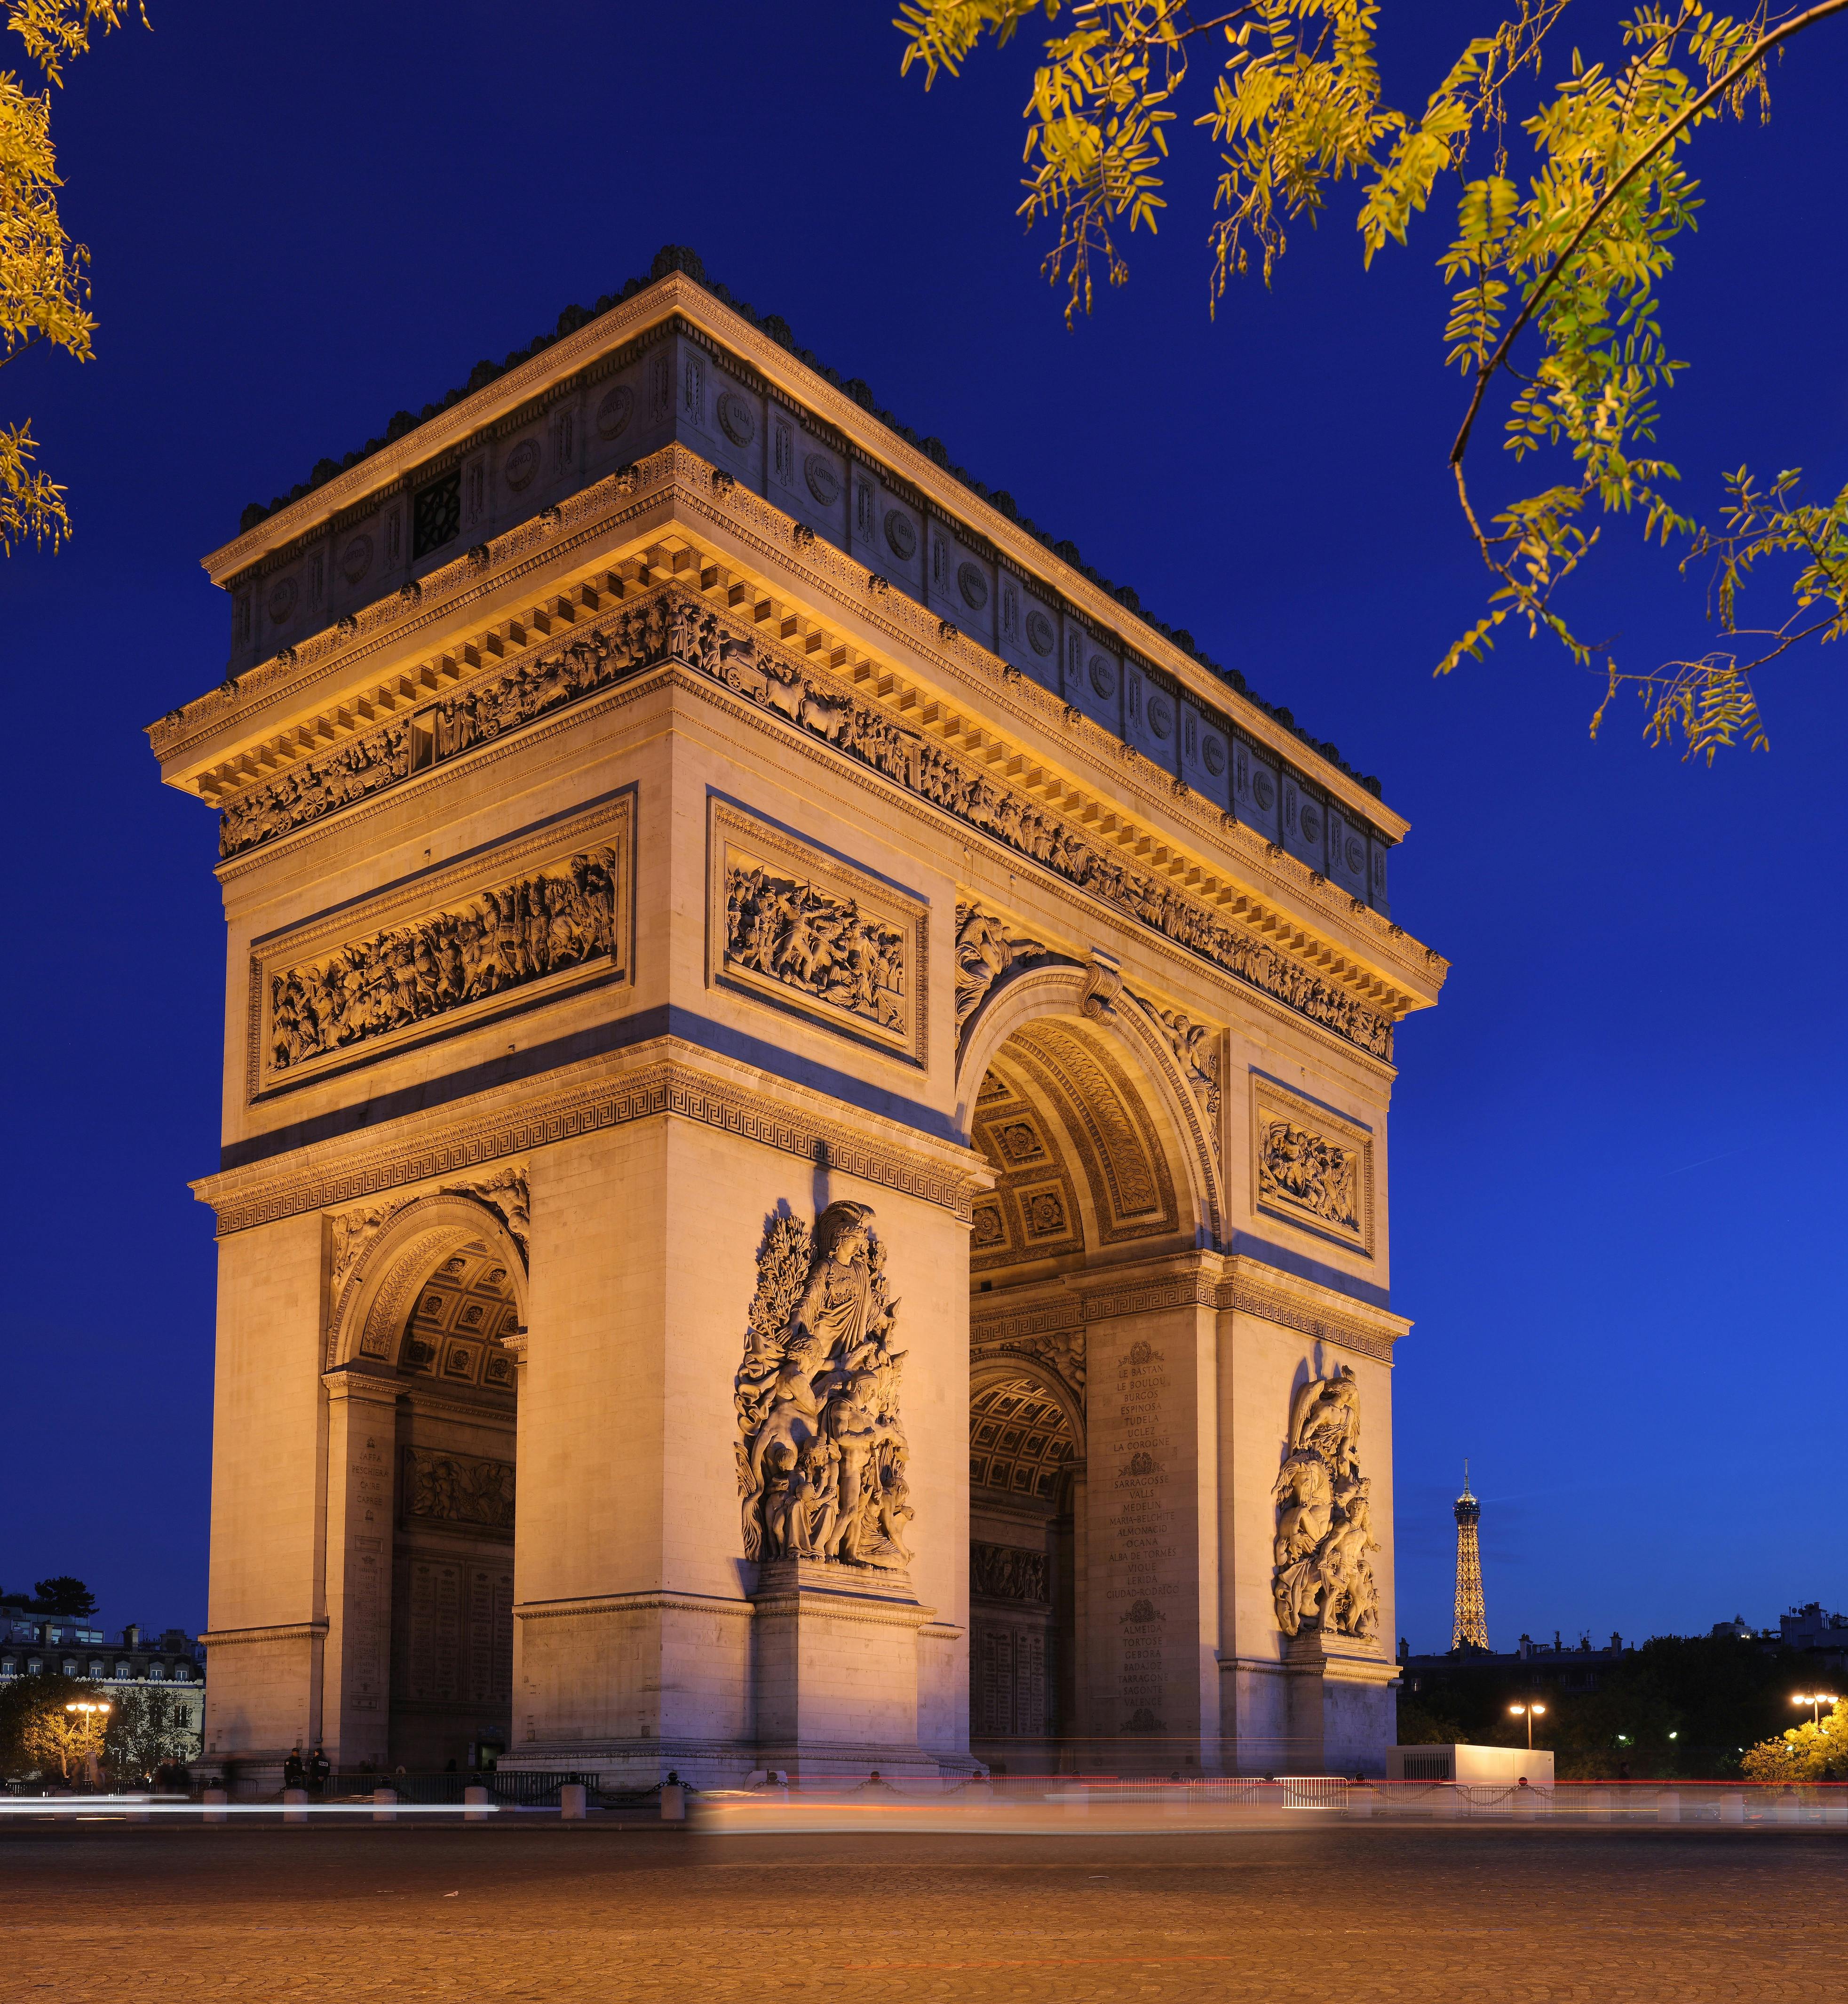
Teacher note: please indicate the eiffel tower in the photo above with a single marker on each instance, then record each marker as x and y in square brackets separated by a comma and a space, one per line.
[1469, 1627]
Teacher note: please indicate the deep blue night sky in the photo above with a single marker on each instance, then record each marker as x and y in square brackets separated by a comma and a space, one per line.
[1618, 1163]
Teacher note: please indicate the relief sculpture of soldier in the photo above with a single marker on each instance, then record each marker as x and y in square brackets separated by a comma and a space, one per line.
[822, 1452]
[515, 933]
[1322, 1576]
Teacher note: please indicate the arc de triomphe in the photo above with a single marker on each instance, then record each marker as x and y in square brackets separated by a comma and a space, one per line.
[804, 1173]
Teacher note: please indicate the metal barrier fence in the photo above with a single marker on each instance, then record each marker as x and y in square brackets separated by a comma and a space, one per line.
[528, 1788]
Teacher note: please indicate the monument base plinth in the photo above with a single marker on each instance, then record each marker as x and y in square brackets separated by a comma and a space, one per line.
[1341, 1708]
[834, 1663]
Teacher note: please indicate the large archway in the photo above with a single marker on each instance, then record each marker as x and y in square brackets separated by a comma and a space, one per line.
[1092, 1173]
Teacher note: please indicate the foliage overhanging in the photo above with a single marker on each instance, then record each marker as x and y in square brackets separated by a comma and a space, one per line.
[1554, 270]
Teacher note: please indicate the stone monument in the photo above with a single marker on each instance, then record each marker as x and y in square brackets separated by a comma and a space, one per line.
[804, 1172]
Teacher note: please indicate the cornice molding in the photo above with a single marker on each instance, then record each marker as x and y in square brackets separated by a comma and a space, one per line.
[285, 1632]
[1409, 974]
[1252, 1288]
[661, 1599]
[677, 296]
[665, 1077]
[1237, 1284]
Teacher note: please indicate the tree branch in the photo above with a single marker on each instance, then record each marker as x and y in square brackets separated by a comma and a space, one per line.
[1718, 89]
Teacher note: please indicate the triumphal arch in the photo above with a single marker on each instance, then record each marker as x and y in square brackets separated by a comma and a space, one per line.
[804, 1174]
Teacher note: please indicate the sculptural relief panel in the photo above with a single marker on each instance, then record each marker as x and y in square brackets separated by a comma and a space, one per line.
[1311, 1165]
[535, 919]
[471, 1492]
[1008, 1572]
[822, 1452]
[1322, 1576]
[790, 926]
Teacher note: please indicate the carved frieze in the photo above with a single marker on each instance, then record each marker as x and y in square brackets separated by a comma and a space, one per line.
[1322, 1577]
[316, 787]
[673, 625]
[792, 926]
[467, 1491]
[820, 1453]
[535, 919]
[548, 680]
[1008, 1572]
[1310, 1165]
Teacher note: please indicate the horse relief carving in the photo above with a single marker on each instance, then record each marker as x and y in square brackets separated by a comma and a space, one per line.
[1323, 1577]
[820, 1453]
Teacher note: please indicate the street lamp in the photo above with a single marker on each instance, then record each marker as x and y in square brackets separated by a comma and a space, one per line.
[1815, 1700]
[1533, 1711]
[95, 1710]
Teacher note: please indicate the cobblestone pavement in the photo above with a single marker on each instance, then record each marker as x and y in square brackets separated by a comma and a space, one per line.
[545, 1910]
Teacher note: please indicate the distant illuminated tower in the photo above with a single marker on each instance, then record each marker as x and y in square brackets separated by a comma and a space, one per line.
[1469, 1626]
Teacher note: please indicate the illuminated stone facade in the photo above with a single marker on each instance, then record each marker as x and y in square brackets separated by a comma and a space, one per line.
[704, 882]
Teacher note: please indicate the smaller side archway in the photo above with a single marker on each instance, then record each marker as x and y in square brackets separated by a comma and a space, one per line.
[422, 1345]
[1025, 1467]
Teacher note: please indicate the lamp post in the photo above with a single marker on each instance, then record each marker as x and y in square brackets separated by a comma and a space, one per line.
[1533, 1711]
[93, 1712]
[1815, 1700]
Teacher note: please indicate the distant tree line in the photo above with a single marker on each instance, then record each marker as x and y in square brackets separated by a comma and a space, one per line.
[1699, 1707]
[60, 1596]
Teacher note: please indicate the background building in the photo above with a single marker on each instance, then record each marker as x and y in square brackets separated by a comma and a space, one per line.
[121, 1660]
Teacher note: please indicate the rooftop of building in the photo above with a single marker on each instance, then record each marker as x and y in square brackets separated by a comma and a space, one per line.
[675, 257]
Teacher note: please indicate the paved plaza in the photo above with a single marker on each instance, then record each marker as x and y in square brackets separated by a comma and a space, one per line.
[544, 1910]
